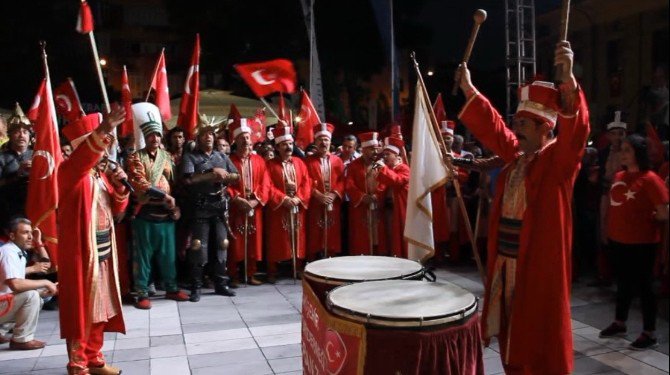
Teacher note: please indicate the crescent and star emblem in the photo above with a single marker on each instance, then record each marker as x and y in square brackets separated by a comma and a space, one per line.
[36, 102]
[258, 76]
[50, 162]
[191, 70]
[307, 112]
[64, 102]
[629, 194]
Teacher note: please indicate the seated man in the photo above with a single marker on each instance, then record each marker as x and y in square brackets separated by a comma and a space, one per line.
[26, 301]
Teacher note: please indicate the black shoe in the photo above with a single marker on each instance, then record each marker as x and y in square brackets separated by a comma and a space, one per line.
[613, 330]
[224, 290]
[195, 295]
[644, 342]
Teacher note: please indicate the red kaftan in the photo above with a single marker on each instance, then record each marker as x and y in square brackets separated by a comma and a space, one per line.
[316, 215]
[359, 235]
[396, 179]
[277, 217]
[78, 255]
[540, 333]
[260, 190]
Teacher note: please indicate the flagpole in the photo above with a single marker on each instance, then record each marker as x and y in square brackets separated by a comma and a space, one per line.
[450, 168]
[155, 73]
[262, 99]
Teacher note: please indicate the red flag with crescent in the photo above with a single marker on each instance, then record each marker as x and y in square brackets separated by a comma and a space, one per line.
[42, 198]
[159, 83]
[267, 77]
[308, 117]
[188, 110]
[85, 19]
[438, 108]
[258, 126]
[127, 127]
[67, 101]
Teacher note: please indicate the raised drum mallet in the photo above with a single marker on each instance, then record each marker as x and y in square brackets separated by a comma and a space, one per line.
[479, 18]
[563, 34]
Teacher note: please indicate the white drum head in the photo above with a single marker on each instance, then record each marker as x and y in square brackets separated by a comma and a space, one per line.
[402, 303]
[362, 268]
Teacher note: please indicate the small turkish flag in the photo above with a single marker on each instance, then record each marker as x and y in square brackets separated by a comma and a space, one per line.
[188, 110]
[258, 126]
[42, 198]
[336, 351]
[438, 108]
[85, 19]
[126, 127]
[67, 101]
[159, 83]
[267, 77]
[308, 118]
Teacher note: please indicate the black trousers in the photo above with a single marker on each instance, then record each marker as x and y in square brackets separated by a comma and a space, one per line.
[634, 266]
[203, 251]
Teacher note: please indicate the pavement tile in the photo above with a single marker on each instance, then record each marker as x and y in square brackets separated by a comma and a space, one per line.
[172, 366]
[225, 358]
[239, 333]
[53, 362]
[587, 366]
[166, 340]
[220, 346]
[213, 326]
[282, 351]
[286, 364]
[23, 365]
[493, 365]
[136, 354]
[276, 329]
[626, 364]
[132, 343]
[650, 357]
[167, 351]
[256, 368]
[141, 367]
[277, 340]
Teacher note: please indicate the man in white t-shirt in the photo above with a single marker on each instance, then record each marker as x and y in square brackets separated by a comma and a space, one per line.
[26, 299]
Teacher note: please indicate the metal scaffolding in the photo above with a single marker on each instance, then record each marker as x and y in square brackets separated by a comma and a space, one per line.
[520, 48]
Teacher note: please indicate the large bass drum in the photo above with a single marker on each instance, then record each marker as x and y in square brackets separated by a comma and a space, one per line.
[402, 303]
[326, 274]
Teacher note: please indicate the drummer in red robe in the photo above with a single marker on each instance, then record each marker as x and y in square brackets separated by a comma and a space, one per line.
[289, 200]
[527, 295]
[90, 301]
[323, 217]
[249, 196]
[394, 175]
[366, 229]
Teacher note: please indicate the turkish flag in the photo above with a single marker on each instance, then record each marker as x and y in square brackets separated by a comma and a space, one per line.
[438, 109]
[67, 101]
[85, 19]
[258, 126]
[126, 128]
[308, 118]
[188, 110]
[159, 83]
[267, 77]
[284, 113]
[42, 198]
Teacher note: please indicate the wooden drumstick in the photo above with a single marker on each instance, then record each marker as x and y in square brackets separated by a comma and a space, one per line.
[479, 18]
[563, 34]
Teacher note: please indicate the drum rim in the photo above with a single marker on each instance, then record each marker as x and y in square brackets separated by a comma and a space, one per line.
[413, 322]
[337, 281]
[418, 322]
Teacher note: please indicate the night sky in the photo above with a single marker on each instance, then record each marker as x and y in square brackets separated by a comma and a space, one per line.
[237, 31]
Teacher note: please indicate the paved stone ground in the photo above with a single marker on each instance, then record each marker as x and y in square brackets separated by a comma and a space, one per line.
[258, 332]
